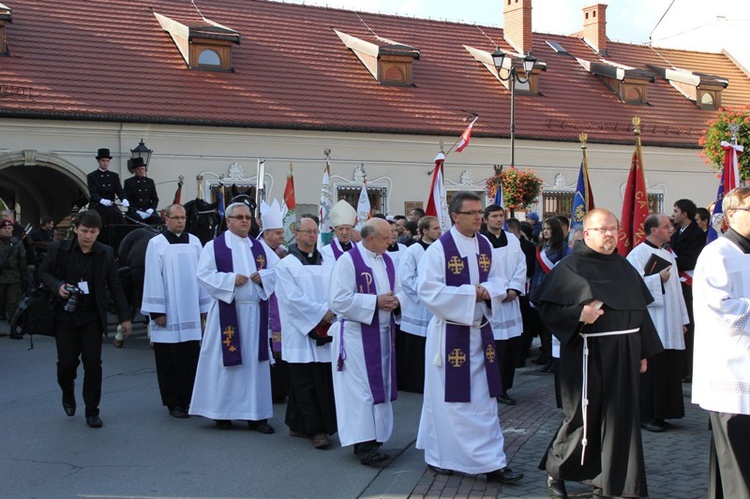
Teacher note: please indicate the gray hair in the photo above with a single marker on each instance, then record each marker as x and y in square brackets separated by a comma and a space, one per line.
[232, 207]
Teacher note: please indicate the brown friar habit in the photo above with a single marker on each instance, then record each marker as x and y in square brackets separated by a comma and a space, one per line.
[614, 454]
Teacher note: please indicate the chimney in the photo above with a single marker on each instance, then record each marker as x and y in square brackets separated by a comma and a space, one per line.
[595, 27]
[517, 24]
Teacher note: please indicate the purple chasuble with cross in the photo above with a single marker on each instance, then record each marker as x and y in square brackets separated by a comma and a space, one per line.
[457, 337]
[365, 282]
[230, 338]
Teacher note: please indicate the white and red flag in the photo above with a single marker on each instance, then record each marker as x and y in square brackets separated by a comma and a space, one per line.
[437, 206]
[466, 136]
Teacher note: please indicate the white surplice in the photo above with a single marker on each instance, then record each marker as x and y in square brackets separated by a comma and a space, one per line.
[170, 287]
[242, 391]
[668, 310]
[721, 307]
[359, 419]
[302, 292]
[326, 253]
[508, 322]
[414, 315]
[460, 436]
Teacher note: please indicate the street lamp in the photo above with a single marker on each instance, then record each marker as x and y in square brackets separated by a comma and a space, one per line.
[529, 61]
[141, 151]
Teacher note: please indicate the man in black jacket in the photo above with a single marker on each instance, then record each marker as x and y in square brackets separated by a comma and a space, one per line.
[687, 243]
[79, 271]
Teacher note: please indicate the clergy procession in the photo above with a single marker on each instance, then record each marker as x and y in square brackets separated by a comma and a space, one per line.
[448, 312]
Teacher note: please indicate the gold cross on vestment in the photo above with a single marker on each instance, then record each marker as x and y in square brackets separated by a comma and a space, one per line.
[227, 342]
[229, 331]
[489, 353]
[484, 262]
[457, 357]
[456, 265]
[260, 262]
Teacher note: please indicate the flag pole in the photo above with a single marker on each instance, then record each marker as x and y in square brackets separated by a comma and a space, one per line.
[476, 117]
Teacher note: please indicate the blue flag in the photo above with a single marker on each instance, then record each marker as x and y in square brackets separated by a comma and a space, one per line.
[221, 202]
[583, 201]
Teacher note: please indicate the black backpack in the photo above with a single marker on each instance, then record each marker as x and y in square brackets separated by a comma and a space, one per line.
[35, 315]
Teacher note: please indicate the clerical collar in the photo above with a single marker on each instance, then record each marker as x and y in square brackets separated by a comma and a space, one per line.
[424, 244]
[738, 239]
[345, 246]
[393, 247]
[173, 238]
[498, 241]
[649, 243]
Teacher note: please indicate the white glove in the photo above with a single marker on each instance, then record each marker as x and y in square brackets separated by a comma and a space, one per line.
[142, 214]
[150, 211]
[105, 202]
[125, 203]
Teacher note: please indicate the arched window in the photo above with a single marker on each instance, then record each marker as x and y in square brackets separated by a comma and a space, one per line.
[209, 57]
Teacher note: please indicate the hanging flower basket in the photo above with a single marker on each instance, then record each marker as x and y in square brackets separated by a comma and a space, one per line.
[718, 131]
[521, 188]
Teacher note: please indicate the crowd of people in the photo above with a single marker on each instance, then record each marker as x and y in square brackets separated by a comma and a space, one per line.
[337, 330]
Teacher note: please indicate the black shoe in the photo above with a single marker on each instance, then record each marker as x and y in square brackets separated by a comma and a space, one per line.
[69, 404]
[440, 471]
[653, 425]
[556, 488]
[373, 456]
[15, 335]
[261, 426]
[94, 421]
[177, 411]
[506, 399]
[223, 424]
[504, 475]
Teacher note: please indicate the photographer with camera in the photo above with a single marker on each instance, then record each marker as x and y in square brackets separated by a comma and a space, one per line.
[79, 271]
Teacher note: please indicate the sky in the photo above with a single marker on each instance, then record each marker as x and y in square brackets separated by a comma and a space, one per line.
[706, 25]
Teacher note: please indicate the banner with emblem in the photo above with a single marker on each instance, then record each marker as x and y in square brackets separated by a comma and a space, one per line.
[437, 206]
[326, 204]
[635, 203]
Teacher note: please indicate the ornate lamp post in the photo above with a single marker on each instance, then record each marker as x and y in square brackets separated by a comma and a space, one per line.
[141, 151]
[512, 76]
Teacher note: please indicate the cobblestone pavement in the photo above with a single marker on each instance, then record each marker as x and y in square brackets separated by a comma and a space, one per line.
[676, 460]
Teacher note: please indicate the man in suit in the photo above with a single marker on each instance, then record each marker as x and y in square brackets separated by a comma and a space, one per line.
[103, 186]
[140, 191]
[686, 244]
[80, 271]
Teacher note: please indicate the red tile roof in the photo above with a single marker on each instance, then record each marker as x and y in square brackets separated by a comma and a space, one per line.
[110, 60]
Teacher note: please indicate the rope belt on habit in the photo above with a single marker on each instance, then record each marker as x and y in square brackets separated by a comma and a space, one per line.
[585, 382]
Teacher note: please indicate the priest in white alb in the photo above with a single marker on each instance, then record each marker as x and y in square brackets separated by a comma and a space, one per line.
[343, 217]
[175, 304]
[365, 295]
[661, 384]
[461, 283]
[233, 381]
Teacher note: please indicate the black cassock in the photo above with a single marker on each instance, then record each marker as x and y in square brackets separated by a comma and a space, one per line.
[614, 454]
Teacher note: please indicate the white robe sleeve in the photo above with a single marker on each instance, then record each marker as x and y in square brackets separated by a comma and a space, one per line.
[304, 310]
[343, 299]
[718, 277]
[408, 273]
[638, 259]
[219, 285]
[517, 280]
[154, 299]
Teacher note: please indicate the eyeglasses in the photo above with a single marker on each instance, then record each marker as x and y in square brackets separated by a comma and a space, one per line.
[471, 213]
[310, 231]
[241, 217]
[177, 218]
[604, 230]
[739, 209]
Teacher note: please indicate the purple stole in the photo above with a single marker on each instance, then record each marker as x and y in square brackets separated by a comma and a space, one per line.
[230, 338]
[371, 332]
[336, 251]
[275, 323]
[457, 337]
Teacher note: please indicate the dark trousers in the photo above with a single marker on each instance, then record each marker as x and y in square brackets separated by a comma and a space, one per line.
[507, 353]
[311, 409]
[10, 295]
[84, 342]
[729, 473]
[661, 386]
[176, 364]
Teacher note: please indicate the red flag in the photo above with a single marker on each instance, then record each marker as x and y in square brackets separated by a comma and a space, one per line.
[465, 137]
[634, 206]
[437, 205]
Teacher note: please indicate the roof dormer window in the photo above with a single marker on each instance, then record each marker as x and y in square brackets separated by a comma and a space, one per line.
[630, 85]
[702, 89]
[389, 62]
[203, 44]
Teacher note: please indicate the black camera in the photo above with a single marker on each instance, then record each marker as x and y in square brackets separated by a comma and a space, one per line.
[72, 304]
